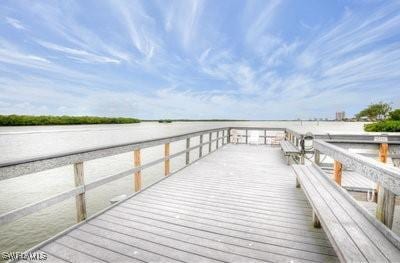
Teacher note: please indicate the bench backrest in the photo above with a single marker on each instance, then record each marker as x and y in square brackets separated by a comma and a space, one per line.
[387, 176]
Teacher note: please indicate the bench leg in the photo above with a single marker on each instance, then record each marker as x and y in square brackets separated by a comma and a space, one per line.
[315, 220]
[385, 207]
[297, 182]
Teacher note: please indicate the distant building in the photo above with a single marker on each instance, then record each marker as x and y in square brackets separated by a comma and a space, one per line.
[340, 115]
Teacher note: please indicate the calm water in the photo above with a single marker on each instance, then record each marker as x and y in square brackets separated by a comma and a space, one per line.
[21, 143]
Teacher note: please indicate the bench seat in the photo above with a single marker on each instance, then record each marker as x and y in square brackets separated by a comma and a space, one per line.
[355, 234]
[289, 149]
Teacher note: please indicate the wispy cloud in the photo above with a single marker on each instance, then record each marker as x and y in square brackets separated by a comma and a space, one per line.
[183, 18]
[200, 59]
[15, 23]
[79, 54]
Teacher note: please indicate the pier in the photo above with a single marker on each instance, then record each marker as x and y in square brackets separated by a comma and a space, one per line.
[236, 200]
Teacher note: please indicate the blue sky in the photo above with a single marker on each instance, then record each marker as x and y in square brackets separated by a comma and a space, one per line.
[198, 59]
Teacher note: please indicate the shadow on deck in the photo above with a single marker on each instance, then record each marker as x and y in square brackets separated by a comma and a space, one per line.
[238, 204]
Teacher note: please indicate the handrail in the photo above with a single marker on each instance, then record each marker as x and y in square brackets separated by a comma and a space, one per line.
[78, 158]
[14, 169]
[392, 138]
[387, 177]
[378, 172]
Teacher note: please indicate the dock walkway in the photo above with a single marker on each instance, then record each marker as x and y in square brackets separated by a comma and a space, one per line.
[238, 204]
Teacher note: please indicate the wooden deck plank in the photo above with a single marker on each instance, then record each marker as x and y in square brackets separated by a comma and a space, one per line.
[215, 252]
[236, 209]
[115, 230]
[111, 242]
[68, 254]
[86, 247]
[51, 258]
[238, 204]
[253, 250]
[224, 217]
[231, 212]
[217, 227]
[235, 224]
[219, 233]
[277, 209]
[255, 197]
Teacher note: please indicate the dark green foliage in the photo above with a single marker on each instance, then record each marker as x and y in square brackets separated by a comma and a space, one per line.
[165, 121]
[22, 120]
[374, 112]
[395, 115]
[383, 126]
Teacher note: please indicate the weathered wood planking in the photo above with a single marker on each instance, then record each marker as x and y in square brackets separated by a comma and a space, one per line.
[355, 236]
[337, 172]
[138, 174]
[378, 172]
[236, 205]
[80, 199]
[167, 160]
[15, 169]
[386, 199]
[289, 150]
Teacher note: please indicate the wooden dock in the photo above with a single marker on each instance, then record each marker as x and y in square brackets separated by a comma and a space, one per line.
[231, 201]
[239, 204]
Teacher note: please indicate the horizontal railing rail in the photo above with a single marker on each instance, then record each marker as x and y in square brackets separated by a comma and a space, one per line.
[376, 171]
[385, 176]
[77, 159]
[264, 136]
[29, 166]
[358, 137]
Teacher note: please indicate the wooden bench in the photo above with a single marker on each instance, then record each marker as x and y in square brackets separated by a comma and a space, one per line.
[355, 234]
[289, 150]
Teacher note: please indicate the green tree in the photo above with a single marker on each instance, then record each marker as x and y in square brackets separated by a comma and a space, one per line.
[395, 115]
[375, 112]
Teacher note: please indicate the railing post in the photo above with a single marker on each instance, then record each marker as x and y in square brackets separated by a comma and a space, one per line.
[302, 158]
[166, 161]
[247, 135]
[187, 151]
[317, 157]
[228, 139]
[337, 172]
[383, 152]
[138, 174]
[217, 141]
[223, 137]
[80, 199]
[209, 141]
[201, 146]
[386, 199]
[265, 136]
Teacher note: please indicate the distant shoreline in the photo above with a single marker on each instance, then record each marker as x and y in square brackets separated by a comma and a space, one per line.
[44, 120]
[49, 120]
